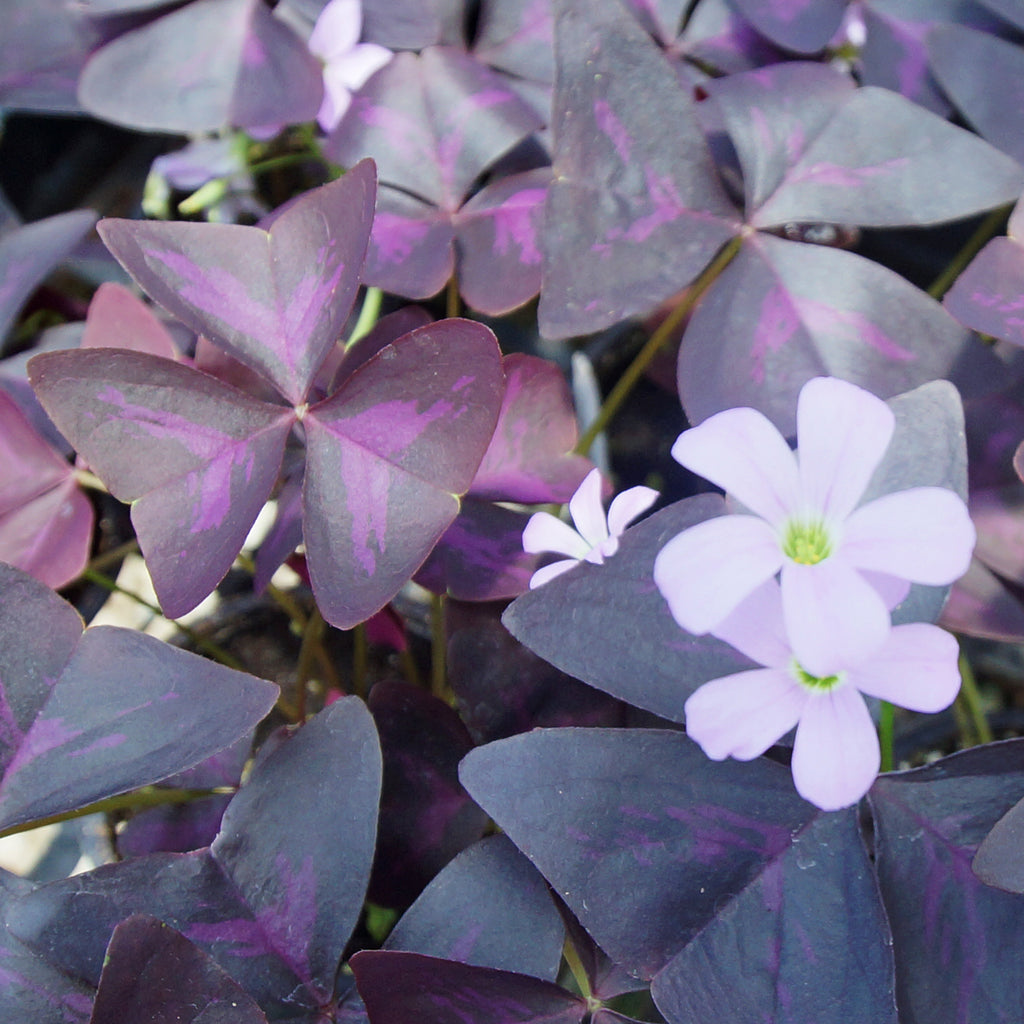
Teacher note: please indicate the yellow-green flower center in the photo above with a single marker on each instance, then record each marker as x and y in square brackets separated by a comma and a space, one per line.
[806, 541]
[820, 684]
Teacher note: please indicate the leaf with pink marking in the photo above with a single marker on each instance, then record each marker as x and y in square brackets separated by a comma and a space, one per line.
[94, 719]
[782, 312]
[196, 458]
[277, 300]
[988, 296]
[387, 457]
[205, 66]
[920, 170]
[497, 241]
[432, 122]
[302, 866]
[633, 212]
[46, 521]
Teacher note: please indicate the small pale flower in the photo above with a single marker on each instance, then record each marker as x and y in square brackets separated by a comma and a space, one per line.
[835, 753]
[348, 63]
[842, 566]
[595, 537]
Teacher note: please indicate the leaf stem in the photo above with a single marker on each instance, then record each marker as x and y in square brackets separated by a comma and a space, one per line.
[575, 965]
[970, 699]
[311, 642]
[629, 379]
[137, 800]
[453, 307]
[214, 651]
[985, 230]
[886, 720]
[369, 314]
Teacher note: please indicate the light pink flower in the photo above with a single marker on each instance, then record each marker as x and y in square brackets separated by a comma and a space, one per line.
[842, 566]
[836, 754]
[595, 537]
[348, 63]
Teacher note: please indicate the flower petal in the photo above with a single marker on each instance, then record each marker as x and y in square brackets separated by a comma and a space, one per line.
[705, 571]
[836, 755]
[549, 572]
[923, 534]
[587, 511]
[742, 452]
[742, 715]
[756, 627]
[843, 432]
[625, 507]
[835, 618]
[545, 532]
[915, 668]
[337, 29]
[891, 589]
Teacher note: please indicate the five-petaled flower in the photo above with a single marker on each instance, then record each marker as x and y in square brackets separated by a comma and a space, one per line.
[595, 537]
[836, 752]
[842, 566]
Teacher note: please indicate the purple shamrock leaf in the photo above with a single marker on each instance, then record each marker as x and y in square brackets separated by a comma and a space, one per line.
[488, 907]
[387, 456]
[46, 521]
[87, 716]
[30, 252]
[303, 867]
[984, 76]
[152, 974]
[433, 123]
[204, 66]
[277, 299]
[957, 942]
[766, 948]
[633, 213]
[399, 987]
[213, 455]
[804, 26]
[602, 812]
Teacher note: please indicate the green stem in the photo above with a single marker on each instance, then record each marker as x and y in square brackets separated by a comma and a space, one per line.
[438, 648]
[970, 698]
[139, 800]
[369, 314]
[986, 229]
[629, 379]
[886, 720]
[311, 637]
[453, 307]
[215, 651]
[273, 163]
[575, 965]
[114, 555]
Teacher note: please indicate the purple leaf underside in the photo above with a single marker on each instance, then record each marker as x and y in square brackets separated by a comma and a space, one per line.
[988, 296]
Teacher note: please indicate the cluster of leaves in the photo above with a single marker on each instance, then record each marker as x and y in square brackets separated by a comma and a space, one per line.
[712, 169]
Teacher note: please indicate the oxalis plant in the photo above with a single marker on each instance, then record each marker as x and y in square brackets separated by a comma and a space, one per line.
[563, 739]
